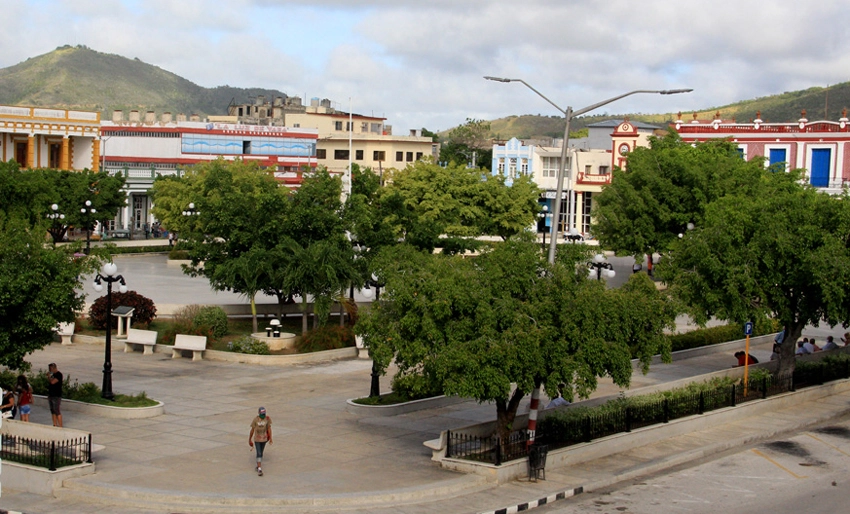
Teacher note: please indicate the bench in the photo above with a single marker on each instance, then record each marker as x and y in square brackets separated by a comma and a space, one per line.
[146, 338]
[194, 344]
[66, 331]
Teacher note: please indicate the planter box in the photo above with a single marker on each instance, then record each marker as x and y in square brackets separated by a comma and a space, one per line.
[403, 408]
[104, 411]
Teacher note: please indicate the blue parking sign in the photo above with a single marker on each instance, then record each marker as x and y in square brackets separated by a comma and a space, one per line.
[748, 328]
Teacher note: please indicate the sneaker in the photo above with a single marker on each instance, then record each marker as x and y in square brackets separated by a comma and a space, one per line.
[260, 471]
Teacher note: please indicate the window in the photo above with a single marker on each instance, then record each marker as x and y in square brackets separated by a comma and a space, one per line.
[399, 156]
[337, 125]
[512, 170]
[376, 128]
[364, 127]
[321, 153]
[603, 170]
[341, 155]
[587, 169]
[418, 156]
[379, 155]
[525, 166]
[409, 157]
[246, 147]
[358, 154]
[501, 165]
[550, 166]
[777, 155]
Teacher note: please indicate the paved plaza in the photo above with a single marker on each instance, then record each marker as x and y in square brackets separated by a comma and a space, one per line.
[196, 458]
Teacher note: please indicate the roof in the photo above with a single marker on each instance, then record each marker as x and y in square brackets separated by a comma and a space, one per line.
[614, 123]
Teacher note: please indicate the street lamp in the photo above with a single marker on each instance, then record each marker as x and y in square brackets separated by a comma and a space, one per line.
[569, 114]
[375, 388]
[541, 224]
[191, 211]
[573, 236]
[87, 211]
[56, 228]
[689, 226]
[109, 274]
[599, 264]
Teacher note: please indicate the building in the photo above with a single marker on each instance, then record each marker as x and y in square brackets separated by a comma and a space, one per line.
[142, 149]
[589, 165]
[343, 137]
[36, 137]
[822, 148]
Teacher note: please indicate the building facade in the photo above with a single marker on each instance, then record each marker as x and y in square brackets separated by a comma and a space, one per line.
[37, 137]
[822, 148]
[142, 149]
[589, 166]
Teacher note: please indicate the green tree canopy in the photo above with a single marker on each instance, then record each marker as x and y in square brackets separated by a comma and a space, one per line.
[469, 143]
[496, 326]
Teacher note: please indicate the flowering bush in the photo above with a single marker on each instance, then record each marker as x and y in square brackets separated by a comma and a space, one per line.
[249, 345]
[145, 310]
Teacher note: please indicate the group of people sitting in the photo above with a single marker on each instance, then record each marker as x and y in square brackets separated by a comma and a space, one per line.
[805, 346]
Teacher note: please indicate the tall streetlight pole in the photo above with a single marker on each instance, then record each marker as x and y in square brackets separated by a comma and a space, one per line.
[87, 211]
[569, 114]
[109, 274]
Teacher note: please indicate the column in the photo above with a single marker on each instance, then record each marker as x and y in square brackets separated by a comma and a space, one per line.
[125, 211]
[95, 155]
[579, 211]
[31, 151]
[64, 161]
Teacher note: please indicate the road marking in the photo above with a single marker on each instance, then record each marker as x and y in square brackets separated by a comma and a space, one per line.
[778, 465]
[839, 450]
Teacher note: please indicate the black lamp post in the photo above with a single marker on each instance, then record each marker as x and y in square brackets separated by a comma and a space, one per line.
[87, 211]
[109, 274]
[541, 223]
[56, 229]
[573, 236]
[599, 263]
[375, 388]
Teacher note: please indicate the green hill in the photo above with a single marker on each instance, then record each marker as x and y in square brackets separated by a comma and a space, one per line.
[81, 78]
[819, 103]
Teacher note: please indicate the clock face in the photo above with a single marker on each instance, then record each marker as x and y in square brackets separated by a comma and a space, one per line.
[624, 149]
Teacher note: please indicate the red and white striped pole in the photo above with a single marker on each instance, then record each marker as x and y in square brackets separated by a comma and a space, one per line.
[532, 415]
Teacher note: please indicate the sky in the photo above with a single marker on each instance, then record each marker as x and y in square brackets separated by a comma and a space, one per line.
[421, 63]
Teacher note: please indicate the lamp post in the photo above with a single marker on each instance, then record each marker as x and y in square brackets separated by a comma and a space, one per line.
[109, 274]
[375, 388]
[569, 114]
[191, 211]
[573, 236]
[56, 228]
[541, 224]
[599, 264]
[689, 226]
[87, 211]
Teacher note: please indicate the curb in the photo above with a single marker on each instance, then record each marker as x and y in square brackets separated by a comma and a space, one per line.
[665, 464]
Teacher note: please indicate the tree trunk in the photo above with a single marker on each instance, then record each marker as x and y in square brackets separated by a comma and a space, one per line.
[788, 349]
[303, 314]
[506, 413]
[254, 315]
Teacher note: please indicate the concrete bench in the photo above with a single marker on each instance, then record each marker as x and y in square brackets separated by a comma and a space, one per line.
[194, 344]
[146, 338]
[66, 331]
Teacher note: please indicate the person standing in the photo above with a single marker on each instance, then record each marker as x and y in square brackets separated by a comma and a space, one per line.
[261, 433]
[7, 409]
[24, 390]
[54, 393]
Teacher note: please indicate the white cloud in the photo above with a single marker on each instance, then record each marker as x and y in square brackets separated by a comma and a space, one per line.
[421, 63]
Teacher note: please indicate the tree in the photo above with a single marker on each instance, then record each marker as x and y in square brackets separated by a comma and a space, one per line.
[469, 143]
[507, 210]
[499, 325]
[38, 289]
[665, 187]
[781, 250]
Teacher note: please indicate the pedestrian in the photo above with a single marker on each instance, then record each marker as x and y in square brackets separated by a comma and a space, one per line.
[7, 408]
[24, 390]
[830, 344]
[261, 433]
[54, 393]
[811, 346]
[170, 238]
[559, 400]
[744, 357]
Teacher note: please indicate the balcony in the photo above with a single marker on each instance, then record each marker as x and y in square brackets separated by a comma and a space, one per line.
[593, 179]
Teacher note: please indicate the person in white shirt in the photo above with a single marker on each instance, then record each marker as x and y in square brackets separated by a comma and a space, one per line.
[830, 344]
[811, 346]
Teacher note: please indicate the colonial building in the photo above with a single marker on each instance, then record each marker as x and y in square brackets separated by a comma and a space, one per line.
[822, 148]
[36, 137]
[141, 149]
[589, 165]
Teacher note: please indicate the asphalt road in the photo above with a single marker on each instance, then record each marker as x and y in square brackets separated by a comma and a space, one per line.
[801, 473]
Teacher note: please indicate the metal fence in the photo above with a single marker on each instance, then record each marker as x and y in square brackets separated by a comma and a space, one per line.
[45, 454]
[636, 413]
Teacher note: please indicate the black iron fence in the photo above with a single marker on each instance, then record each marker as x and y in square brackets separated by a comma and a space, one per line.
[45, 454]
[637, 412]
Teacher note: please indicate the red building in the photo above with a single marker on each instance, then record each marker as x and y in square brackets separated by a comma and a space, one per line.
[822, 148]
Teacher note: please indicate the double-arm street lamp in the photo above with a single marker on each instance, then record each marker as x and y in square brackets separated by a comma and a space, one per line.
[109, 274]
[57, 227]
[541, 224]
[569, 114]
[601, 267]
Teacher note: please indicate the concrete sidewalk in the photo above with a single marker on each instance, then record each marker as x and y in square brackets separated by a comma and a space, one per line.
[196, 456]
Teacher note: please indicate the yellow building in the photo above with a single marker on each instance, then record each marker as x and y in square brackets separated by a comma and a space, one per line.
[37, 137]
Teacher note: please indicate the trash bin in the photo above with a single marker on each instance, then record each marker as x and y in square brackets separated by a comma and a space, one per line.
[537, 461]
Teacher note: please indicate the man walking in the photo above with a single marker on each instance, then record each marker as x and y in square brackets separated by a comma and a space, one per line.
[54, 393]
[261, 433]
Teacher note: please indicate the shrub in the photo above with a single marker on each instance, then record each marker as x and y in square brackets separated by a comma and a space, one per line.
[144, 313]
[212, 319]
[722, 334]
[325, 338]
[414, 386]
[178, 255]
[248, 345]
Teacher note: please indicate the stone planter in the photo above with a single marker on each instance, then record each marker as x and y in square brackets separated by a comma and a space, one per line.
[285, 340]
[403, 408]
[104, 411]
